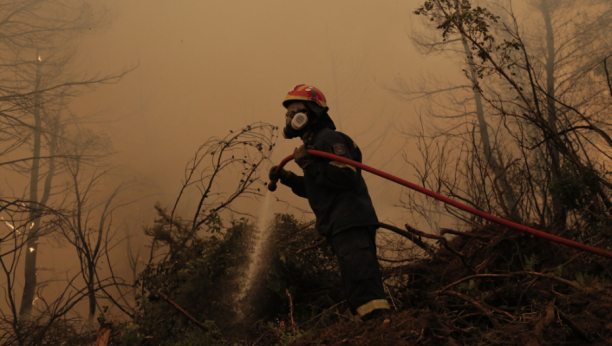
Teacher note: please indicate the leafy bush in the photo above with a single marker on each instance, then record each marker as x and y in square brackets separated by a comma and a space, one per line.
[311, 277]
[576, 189]
[204, 276]
[129, 335]
[582, 193]
[201, 276]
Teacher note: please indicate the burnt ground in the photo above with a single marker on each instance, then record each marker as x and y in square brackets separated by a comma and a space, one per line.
[492, 286]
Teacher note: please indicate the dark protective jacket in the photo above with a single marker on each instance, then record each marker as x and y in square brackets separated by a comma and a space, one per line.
[336, 192]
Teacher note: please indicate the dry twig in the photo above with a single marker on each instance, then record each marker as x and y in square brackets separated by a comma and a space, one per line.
[291, 312]
[444, 243]
[572, 325]
[553, 277]
[435, 294]
[416, 240]
[546, 321]
[315, 245]
[186, 314]
[488, 310]
[444, 231]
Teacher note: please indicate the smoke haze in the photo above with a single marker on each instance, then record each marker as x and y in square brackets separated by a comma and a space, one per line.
[202, 68]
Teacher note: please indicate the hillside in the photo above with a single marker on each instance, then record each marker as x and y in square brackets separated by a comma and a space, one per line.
[509, 289]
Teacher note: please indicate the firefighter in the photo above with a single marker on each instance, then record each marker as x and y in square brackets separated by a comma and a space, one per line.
[338, 196]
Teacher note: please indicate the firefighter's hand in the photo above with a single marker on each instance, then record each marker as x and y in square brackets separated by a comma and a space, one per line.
[302, 157]
[282, 174]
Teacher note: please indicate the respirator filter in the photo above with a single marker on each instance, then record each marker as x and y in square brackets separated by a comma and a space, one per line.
[294, 129]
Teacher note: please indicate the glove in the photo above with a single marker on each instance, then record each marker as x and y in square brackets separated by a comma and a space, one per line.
[302, 157]
[282, 174]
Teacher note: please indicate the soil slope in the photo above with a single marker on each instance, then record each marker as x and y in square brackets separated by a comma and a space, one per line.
[492, 286]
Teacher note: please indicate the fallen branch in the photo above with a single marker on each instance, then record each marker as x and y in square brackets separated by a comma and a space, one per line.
[186, 314]
[552, 277]
[488, 310]
[442, 241]
[546, 321]
[435, 294]
[423, 234]
[444, 231]
[291, 314]
[572, 325]
[549, 276]
[103, 335]
[410, 237]
[317, 244]
[571, 259]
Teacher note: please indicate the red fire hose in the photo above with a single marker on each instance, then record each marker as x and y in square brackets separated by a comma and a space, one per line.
[549, 237]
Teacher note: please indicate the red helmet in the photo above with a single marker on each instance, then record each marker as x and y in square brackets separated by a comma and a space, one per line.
[305, 92]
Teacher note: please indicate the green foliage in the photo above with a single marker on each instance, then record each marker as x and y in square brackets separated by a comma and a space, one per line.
[213, 222]
[166, 231]
[286, 335]
[576, 188]
[201, 276]
[581, 191]
[197, 337]
[61, 332]
[205, 274]
[311, 277]
[130, 335]
[469, 286]
[531, 262]
[473, 23]
[582, 279]
[450, 16]
[558, 271]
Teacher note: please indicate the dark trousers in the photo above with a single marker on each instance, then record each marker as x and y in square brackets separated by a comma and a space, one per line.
[355, 249]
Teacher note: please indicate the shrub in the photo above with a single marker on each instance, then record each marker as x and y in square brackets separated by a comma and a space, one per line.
[311, 277]
[202, 277]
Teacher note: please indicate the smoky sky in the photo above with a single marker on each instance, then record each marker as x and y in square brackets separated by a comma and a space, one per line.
[200, 68]
[205, 67]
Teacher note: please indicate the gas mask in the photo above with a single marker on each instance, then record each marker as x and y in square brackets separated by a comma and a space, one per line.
[297, 126]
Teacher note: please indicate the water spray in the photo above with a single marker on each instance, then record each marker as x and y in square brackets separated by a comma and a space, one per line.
[255, 262]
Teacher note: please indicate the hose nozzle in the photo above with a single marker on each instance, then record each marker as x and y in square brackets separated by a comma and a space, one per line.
[272, 183]
[272, 186]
